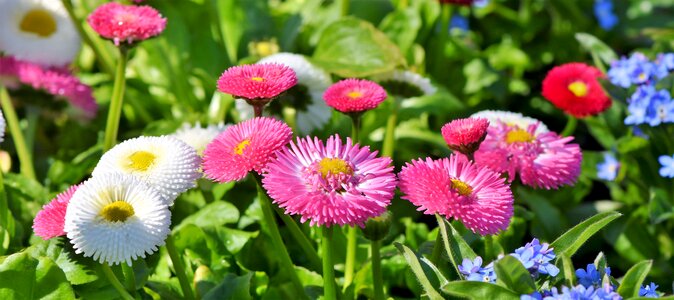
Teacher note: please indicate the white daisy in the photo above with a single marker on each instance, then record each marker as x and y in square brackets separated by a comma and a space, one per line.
[39, 31]
[405, 84]
[164, 162]
[511, 118]
[306, 97]
[198, 137]
[116, 218]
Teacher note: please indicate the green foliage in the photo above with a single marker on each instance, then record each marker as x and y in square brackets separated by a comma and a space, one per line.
[512, 274]
[25, 277]
[634, 278]
[572, 240]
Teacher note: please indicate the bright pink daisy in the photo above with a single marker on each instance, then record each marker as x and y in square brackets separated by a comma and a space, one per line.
[258, 81]
[8, 71]
[354, 95]
[244, 147]
[455, 187]
[542, 160]
[574, 88]
[335, 183]
[465, 135]
[48, 222]
[126, 23]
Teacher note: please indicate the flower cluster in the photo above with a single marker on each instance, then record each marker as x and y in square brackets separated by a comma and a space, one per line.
[473, 270]
[577, 292]
[591, 276]
[603, 11]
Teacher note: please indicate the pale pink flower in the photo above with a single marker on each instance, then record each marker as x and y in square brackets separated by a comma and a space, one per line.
[49, 221]
[331, 183]
[354, 95]
[126, 23]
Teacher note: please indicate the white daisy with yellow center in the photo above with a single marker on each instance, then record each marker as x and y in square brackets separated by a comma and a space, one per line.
[511, 118]
[38, 31]
[198, 137]
[116, 218]
[164, 162]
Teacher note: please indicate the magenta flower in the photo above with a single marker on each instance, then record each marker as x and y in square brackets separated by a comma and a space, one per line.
[258, 81]
[465, 135]
[126, 23]
[244, 147]
[542, 160]
[354, 95]
[331, 183]
[455, 187]
[49, 221]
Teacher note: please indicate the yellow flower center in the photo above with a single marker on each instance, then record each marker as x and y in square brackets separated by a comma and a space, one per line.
[354, 94]
[141, 160]
[578, 88]
[117, 211]
[334, 166]
[519, 135]
[257, 79]
[241, 146]
[38, 21]
[461, 187]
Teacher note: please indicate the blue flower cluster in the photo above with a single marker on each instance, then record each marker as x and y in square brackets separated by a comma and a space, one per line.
[667, 169]
[473, 270]
[608, 169]
[647, 105]
[590, 276]
[649, 291]
[603, 10]
[578, 292]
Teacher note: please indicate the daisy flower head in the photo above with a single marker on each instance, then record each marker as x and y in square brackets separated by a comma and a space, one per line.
[456, 187]
[126, 24]
[245, 147]
[354, 95]
[163, 162]
[405, 84]
[49, 221]
[28, 27]
[198, 137]
[331, 183]
[542, 160]
[574, 88]
[511, 118]
[117, 218]
[465, 135]
[258, 83]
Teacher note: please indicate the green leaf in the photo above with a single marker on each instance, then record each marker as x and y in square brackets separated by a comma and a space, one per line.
[456, 247]
[233, 14]
[24, 277]
[634, 278]
[564, 263]
[232, 239]
[74, 266]
[572, 240]
[511, 273]
[402, 27]
[478, 290]
[217, 213]
[351, 47]
[596, 47]
[629, 144]
[415, 264]
[232, 287]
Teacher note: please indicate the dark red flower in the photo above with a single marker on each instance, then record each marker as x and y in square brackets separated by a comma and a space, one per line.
[574, 88]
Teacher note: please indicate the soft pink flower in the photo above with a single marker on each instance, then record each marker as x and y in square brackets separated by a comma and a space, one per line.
[48, 222]
[258, 81]
[331, 183]
[455, 187]
[126, 23]
[354, 95]
[244, 147]
[465, 135]
[542, 160]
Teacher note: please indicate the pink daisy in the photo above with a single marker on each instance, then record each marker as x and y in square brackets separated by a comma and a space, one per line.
[455, 187]
[354, 95]
[542, 160]
[258, 81]
[243, 147]
[8, 72]
[48, 222]
[335, 183]
[126, 23]
[465, 135]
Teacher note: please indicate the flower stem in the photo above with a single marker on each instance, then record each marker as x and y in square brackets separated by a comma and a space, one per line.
[488, 247]
[570, 126]
[302, 240]
[179, 268]
[329, 288]
[25, 158]
[112, 125]
[345, 7]
[130, 278]
[115, 282]
[437, 250]
[355, 127]
[90, 39]
[277, 241]
[376, 271]
[352, 233]
[389, 136]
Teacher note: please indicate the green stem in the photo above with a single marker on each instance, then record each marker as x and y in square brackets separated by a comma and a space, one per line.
[115, 282]
[302, 240]
[129, 278]
[570, 126]
[179, 268]
[117, 98]
[329, 288]
[32, 118]
[277, 241]
[355, 126]
[376, 271]
[350, 263]
[437, 250]
[345, 7]
[25, 158]
[91, 40]
[598, 63]
[488, 247]
[289, 115]
[389, 136]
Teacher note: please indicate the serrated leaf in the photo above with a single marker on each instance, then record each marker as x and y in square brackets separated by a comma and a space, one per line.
[478, 290]
[511, 273]
[456, 247]
[634, 278]
[416, 265]
[574, 238]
